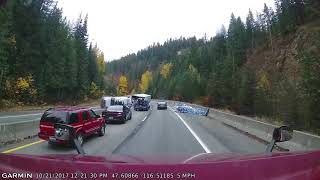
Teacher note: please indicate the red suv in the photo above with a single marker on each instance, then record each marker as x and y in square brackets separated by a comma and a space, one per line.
[84, 121]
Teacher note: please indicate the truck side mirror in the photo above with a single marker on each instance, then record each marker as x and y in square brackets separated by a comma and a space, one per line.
[281, 134]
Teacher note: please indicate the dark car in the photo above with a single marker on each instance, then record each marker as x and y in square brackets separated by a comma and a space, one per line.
[84, 121]
[162, 105]
[141, 105]
[117, 113]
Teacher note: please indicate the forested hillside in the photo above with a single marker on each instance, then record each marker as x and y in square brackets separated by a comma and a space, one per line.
[45, 58]
[266, 65]
[134, 65]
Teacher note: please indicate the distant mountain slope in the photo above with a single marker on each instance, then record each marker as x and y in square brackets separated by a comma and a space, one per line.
[266, 66]
[133, 65]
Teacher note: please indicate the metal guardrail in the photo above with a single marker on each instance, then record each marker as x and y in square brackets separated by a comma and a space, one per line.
[11, 132]
[300, 140]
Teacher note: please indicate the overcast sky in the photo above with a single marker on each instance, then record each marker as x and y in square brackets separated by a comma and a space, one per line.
[121, 27]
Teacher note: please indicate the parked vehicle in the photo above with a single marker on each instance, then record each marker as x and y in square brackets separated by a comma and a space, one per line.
[124, 100]
[117, 100]
[146, 97]
[105, 101]
[117, 113]
[141, 105]
[162, 105]
[84, 121]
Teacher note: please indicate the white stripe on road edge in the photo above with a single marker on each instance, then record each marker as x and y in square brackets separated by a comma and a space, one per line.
[23, 115]
[204, 146]
[144, 118]
[194, 157]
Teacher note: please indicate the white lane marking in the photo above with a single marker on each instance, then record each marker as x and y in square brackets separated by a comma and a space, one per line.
[194, 157]
[144, 118]
[23, 115]
[204, 146]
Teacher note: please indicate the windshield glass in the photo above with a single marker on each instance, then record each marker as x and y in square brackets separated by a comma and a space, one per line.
[159, 78]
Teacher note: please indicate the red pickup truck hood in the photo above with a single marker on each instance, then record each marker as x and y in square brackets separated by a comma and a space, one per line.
[298, 165]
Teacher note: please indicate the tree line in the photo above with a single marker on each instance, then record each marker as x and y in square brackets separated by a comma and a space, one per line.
[44, 57]
[248, 68]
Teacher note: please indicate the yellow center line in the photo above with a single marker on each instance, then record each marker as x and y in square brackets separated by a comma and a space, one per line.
[21, 147]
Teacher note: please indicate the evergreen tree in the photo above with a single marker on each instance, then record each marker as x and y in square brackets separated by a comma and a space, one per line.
[81, 40]
[250, 29]
[39, 48]
[267, 22]
[93, 66]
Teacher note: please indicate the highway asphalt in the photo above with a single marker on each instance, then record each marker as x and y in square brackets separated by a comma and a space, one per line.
[163, 132]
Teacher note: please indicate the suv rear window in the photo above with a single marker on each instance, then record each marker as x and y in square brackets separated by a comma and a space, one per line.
[85, 116]
[74, 118]
[55, 117]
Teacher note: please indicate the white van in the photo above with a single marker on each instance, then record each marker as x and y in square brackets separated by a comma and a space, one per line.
[105, 101]
[126, 100]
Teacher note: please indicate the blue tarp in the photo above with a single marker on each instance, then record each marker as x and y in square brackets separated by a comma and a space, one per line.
[191, 110]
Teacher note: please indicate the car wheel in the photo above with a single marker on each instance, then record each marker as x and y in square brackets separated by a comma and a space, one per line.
[102, 131]
[80, 138]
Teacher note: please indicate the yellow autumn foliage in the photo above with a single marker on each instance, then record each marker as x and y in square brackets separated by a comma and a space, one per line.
[263, 82]
[21, 89]
[123, 86]
[23, 83]
[101, 64]
[194, 73]
[94, 91]
[166, 70]
[146, 78]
